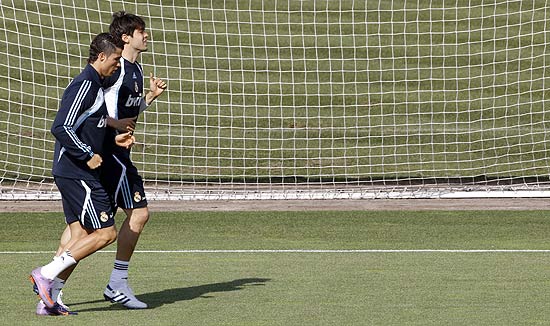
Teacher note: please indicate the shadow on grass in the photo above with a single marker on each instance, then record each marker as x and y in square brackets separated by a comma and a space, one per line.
[157, 299]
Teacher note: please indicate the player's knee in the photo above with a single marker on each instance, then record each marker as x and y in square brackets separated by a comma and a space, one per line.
[111, 236]
[107, 235]
[138, 219]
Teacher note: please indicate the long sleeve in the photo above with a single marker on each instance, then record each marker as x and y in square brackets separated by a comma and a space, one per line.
[71, 114]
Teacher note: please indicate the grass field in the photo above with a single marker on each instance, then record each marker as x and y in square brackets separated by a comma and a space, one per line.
[382, 277]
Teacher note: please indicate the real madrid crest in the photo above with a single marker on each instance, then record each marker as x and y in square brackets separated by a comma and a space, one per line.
[137, 197]
[104, 217]
[136, 87]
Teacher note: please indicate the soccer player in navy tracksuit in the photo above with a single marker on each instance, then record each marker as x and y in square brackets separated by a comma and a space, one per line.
[125, 101]
[80, 128]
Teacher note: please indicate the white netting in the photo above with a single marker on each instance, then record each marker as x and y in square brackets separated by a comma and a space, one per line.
[299, 99]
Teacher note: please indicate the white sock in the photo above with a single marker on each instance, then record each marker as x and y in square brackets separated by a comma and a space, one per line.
[119, 275]
[58, 265]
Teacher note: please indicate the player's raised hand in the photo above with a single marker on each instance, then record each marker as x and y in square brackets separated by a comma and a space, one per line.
[125, 140]
[156, 85]
[95, 161]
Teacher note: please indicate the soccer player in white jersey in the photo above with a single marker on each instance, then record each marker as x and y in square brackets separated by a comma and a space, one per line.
[125, 101]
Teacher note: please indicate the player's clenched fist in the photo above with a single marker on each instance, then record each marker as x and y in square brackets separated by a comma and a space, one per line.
[95, 161]
[156, 83]
[156, 87]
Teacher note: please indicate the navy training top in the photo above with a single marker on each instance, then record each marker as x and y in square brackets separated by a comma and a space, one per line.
[124, 99]
[79, 127]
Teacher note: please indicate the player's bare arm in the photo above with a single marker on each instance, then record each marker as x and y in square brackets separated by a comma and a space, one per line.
[122, 125]
[156, 87]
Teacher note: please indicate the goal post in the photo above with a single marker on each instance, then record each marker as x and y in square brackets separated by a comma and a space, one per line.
[309, 99]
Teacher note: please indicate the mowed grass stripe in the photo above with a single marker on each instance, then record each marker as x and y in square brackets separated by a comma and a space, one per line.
[300, 251]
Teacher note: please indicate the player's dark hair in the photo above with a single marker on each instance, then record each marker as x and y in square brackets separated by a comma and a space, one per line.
[125, 23]
[105, 43]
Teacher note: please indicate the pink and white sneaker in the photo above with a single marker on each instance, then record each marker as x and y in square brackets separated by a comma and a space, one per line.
[57, 310]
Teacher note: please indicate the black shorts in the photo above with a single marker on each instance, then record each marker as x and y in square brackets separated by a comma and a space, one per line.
[122, 181]
[87, 202]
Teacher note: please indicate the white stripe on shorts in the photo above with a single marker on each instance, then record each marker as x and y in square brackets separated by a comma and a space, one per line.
[88, 207]
[123, 187]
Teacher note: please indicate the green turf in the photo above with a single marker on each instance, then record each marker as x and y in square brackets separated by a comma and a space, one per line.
[406, 288]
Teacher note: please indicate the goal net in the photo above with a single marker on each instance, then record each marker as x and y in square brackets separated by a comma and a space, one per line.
[299, 99]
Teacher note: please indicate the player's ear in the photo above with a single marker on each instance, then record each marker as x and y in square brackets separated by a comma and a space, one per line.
[125, 38]
[101, 57]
